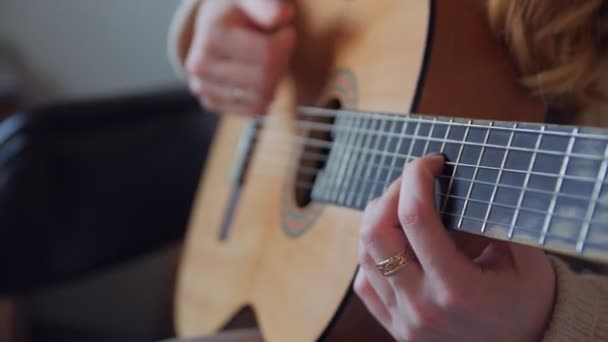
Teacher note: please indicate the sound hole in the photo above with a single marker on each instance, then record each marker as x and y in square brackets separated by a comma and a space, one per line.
[313, 158]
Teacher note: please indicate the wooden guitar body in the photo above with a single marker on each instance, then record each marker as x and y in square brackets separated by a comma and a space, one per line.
[294, 264]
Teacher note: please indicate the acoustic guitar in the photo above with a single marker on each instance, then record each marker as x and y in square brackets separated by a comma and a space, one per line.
[275, 224]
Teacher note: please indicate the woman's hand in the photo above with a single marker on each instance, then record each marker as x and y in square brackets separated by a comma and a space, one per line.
[504, 294]
[239, 51]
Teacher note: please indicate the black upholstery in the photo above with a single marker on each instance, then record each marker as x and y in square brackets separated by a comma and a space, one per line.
[86, 185]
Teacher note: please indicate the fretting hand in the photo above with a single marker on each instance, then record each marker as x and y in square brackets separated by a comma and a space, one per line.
[504, 294]
[239, 51]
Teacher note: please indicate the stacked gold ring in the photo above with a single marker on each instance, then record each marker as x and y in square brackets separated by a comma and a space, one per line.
[395, 263]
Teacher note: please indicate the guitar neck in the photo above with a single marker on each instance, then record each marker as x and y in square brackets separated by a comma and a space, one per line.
[541, 185]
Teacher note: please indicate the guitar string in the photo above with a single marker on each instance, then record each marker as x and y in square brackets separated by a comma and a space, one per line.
[329, 128]
[317, 157]
[318, 143]
[304, 141]
[453, 121]
[309, 171]
[551, 237]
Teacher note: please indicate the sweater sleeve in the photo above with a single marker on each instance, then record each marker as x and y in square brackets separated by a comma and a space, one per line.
[181, 32]
[580, 311]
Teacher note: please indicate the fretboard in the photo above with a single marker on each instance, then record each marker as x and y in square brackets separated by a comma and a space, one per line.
[542, 185]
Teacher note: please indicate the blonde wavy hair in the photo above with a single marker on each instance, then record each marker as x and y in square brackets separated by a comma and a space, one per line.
[559, 46]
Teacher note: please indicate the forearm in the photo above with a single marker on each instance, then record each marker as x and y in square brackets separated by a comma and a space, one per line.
[581, 306]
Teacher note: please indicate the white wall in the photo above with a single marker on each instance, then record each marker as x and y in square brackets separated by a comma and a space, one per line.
[88, 47]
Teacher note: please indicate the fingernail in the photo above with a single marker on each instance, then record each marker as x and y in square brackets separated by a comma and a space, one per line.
[436, 154]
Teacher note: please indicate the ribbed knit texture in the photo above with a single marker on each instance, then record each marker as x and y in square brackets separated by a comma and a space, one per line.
[580, 312]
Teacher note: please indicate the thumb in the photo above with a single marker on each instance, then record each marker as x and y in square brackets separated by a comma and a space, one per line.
[269, 14]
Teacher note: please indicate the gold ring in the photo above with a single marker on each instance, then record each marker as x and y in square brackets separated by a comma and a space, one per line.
[395, 263]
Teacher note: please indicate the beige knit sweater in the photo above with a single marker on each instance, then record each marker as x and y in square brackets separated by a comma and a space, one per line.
[580, 311]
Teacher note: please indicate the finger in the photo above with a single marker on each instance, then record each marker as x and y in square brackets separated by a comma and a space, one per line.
[383, 238]
[370, 298]
[381, 285]
[268, 14]
[436, 252]
[218, 98]
[247, 45]
[227, 71]
[225, 93]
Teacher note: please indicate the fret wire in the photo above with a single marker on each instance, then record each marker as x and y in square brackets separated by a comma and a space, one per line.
[323, 185]
[477, 219]
[352, 157]
[309, 111]
[534, 173]
[523, 229]
[426, 144]
[449, 124]
[372, 193]
[409, 157]
[389, 172]
[359, 165]
[497, 204]
[506, 186]
[321, 143]
[526, 180]
[580, 244]
[498, 179]
[329, 165]
[558, 186]
[340, 163]
[349, 151]
[481, 220]
[445, 137]
[372, 156]
[387, 179]
[502, 236]
[368, 171]
[475, 171]
[335, 150]
[451, 181]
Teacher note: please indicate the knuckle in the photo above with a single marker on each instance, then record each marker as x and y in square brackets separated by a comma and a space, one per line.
[424, 316]
[403, 333]
[409, 215]
[370, 214]
[198, 65]
[451, 298]
[216, 35]
[204, 66]
[369, 232]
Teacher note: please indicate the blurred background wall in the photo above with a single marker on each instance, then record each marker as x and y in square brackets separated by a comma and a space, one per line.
[74, 48]
[85, 48]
